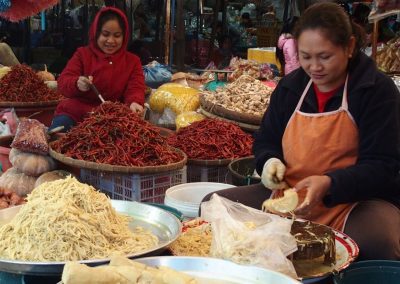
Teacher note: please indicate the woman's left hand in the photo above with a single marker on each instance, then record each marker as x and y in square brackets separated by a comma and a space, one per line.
[317, 187]
[136, 108]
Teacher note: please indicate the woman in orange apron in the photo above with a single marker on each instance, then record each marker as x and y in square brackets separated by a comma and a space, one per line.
[332, 132]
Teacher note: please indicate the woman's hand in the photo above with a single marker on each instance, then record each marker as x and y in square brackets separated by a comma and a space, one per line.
[83, 83]
[317, 187]
[136, 108]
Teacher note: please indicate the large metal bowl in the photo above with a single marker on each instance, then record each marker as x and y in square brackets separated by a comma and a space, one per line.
[162, 223]
[213, 270]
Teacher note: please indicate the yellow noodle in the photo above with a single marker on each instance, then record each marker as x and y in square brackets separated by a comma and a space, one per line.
[196, 241]
[66, 220]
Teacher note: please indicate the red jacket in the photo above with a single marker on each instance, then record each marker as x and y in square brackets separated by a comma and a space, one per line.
[118, 77]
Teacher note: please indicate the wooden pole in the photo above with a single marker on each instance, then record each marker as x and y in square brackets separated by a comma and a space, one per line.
[375, 39]
[180, 36]
[167, 31]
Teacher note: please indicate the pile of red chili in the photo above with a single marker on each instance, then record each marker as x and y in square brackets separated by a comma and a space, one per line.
[212, 139]
[113, 134]
[22, 84]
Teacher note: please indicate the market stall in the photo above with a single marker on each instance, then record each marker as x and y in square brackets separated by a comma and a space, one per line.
[114, 218]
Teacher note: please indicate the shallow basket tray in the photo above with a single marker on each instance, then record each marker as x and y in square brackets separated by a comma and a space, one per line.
[29, 104]
[120, 169]
[230, 114]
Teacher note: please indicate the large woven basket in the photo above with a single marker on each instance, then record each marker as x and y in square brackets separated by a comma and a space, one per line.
[120, 169]
[229, 114]
[245, 126]
[213, 163]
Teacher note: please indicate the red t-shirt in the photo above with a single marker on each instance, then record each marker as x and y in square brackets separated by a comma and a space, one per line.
[323, 97]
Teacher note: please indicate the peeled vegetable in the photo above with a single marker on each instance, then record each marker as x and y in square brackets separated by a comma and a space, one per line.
[45, 75]
[285, 204]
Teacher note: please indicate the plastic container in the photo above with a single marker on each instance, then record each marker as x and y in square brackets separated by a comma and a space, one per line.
[44, 114]
[5, 163]
[187, 197]
[134, 187]
[370, 272]
[242, 171]
[5, 142]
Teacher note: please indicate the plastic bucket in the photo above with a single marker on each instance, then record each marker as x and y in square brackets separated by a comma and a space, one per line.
[242, 171]
[370, 272]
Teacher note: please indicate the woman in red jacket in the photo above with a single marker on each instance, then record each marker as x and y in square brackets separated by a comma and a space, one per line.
[105, 62]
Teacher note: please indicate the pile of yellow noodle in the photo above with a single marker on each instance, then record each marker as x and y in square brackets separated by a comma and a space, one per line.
[196, 241]
[67, 220]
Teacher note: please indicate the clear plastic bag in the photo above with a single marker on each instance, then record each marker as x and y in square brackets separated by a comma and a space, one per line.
[15, 181]
[187, 118]
[31, 137]
[384, 8]
[248, 236]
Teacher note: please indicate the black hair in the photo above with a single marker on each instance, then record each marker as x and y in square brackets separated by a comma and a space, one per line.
[287, 28]
[360, 14]
[246, 16]
[107, 16]
[333, 21]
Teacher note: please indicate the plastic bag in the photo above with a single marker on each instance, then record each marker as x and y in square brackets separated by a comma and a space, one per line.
[187, 118]
[384, 8]
[31, 137]
[31, 164]
[15, 181]
[11, 122]
[177, 97]
[248, 236]
[156, 74]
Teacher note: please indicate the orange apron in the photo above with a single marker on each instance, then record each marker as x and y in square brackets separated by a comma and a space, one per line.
[317, 143]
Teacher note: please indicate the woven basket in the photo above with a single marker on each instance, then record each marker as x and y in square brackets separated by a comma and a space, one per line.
[29, 104]
[245, 126]
[120, 169]
[217, 163]
[230, 114]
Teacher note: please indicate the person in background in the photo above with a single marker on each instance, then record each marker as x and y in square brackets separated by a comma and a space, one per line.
[286, 49]
[246, 21]
[138, 48]
[331, 132]
[223, 55]
[105, 63]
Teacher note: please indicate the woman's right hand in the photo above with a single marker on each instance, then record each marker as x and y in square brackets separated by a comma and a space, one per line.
[83, 83]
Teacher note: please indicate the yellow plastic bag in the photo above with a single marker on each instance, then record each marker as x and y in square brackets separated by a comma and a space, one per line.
[187, 118]
[177, 97]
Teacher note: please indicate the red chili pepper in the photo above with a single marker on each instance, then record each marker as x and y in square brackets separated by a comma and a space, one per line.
[212, 139]
[22, 84]
[113, 134]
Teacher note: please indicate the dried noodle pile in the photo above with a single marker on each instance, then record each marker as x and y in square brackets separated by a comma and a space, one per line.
[67, 220]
